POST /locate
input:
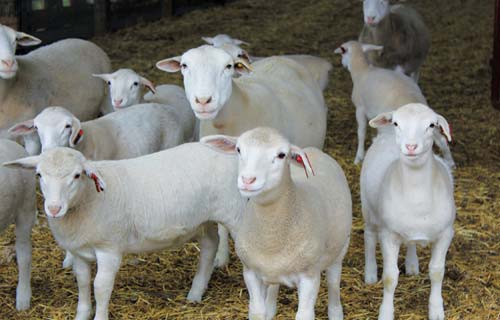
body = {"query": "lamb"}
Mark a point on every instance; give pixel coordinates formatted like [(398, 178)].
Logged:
[(293, 227), (376, 90), (125, 87), (57, 74), (407, 198), (401, 31), (17, 191), (227, 105), (100, 210)]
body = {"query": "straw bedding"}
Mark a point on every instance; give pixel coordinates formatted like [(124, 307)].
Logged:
[(455, 79)]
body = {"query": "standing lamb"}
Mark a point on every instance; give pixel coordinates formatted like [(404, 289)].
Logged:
[(401, 31), (376, 90), (407, 198), (17, 191), (57, 74), (125, 88), (295, 225), (101, 210), (279, 93)]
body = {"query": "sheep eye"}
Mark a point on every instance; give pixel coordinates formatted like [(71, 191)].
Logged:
[(136, 83), (432, 125), (109, 83), (395, 124), (281, 155), (238, 150), (77, 176), (184, 66), (38, 175), (68, 126), (229, 66), (343, 50)]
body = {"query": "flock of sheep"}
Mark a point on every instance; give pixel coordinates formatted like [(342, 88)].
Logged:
[(136, 180)]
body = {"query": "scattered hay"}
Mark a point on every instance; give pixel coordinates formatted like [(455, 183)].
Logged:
[(456, 81)]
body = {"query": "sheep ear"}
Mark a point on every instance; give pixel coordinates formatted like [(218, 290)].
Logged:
[(76, 135), (92, 173), (245, 56), (23, 128), (242, 66), (170, 64), (222, 143), (239, 42), (24, 163), (208, 40), (369, 47), (103, 76), (26, 40), (299, 157), (445, 127), (381, 120), (148, 84)]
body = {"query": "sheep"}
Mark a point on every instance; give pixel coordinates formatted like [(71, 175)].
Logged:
[(376, 90), (401, 31), (17, 191), (295, 225), (100, 210), (125, 87), (227, 105), (221, 39), (407, 198), (57, 74)]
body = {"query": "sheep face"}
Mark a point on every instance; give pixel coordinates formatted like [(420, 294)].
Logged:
[(125, 87), (375, 10), (57, 127), (9, 39), (62, 173), (208, 74), (353, 48), (414, 125)]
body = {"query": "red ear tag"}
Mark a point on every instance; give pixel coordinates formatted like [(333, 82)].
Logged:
[(78, 137), (299, 159), (96, 181)]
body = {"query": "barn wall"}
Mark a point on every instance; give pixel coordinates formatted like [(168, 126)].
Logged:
[(8, 15)]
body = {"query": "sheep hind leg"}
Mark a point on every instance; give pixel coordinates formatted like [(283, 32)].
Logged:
[(333, 274), (222, 257), (411, 260), (24, 224), (362, 120)]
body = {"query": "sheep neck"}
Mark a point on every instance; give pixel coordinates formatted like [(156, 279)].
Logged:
[(5, 86), (228, 115), (359, 63), (418, 176)]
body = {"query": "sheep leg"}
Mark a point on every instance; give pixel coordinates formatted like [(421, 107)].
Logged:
[(24, 224), (222, 257), (108, 264), (308, 293), (333, 274), (390, 249), (436, 274), (361, 119), (411, 260), (68, 260), (370, 252), (271, 300), (81, 269), (257, 293), (442, 144), (208, 240)]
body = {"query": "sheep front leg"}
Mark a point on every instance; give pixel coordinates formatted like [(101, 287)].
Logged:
[(222, 257), (271, 300), (108, 264), (436, 274), (370, 236), (208, 240), (361, 119), (390, 249), (81, 269), (308, 292), (24, 224), (257, 294)]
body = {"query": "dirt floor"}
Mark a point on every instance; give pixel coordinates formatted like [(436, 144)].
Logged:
[(455, 79)]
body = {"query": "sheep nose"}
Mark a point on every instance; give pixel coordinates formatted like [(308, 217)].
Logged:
[(117, 102), (248, 180), (370, 19), (54, 210), (8, 63), (411, 147), (203, 101)]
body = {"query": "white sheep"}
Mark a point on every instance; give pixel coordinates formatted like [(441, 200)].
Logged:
[(222, 39), (100, 210), (296, 224), (407, 198), (278, 93), (126, 89), (57, 74), (401, 31), (17, 194), (376, 90)]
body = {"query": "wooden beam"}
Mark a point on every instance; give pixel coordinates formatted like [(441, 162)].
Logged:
[(495, 62)]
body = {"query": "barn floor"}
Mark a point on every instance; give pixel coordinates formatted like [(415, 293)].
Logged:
[(455, 80)]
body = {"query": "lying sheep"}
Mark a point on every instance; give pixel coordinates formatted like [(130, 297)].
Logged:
[(376, 90), (402, 33), (100, 210), (57, 74), (294, 227), (17, 191), (407, 198), (125, 88), (279, 93)]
